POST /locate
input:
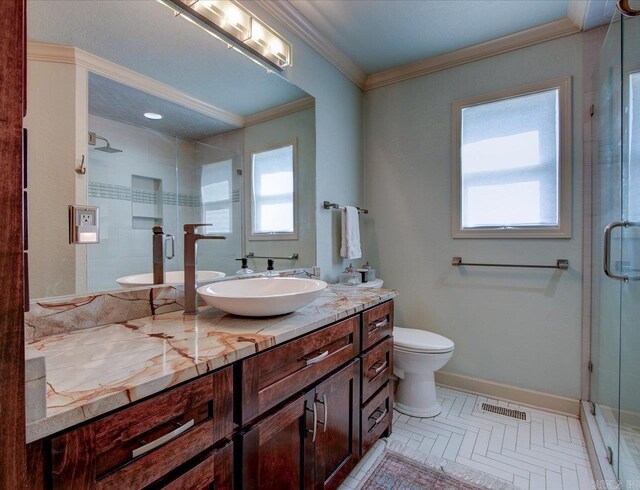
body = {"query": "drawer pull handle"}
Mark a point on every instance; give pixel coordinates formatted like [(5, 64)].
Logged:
[(379, 419), (163, 439), (380, 323), (379, 366), (316, 359), (325, 404)]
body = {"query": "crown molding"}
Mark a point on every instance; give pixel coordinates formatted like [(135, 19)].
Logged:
[(284, 11), (529, 37), (577, 12), (279, 111), (58, 53)]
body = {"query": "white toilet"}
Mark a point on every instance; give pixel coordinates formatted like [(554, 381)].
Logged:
[(418, 354)]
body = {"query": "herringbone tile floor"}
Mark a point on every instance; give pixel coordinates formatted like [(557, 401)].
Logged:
[(545, 452)]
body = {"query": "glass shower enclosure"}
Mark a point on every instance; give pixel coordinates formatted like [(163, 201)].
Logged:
[(615, 315)]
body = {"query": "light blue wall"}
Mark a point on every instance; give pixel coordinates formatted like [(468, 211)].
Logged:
[(339, 133), (515, 326), (301, 127)]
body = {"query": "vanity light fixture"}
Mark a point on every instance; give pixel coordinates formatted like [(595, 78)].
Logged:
[(238, 28), (152, 115)]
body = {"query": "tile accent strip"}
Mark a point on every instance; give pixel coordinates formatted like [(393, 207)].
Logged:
[(124, 193)]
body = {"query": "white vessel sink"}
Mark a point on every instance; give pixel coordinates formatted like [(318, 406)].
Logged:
[(175, 278), (263, 296)]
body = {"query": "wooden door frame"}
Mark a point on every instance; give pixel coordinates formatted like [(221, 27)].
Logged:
[(12, 105)]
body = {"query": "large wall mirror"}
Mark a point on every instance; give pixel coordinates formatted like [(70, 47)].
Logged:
[(158, 124)]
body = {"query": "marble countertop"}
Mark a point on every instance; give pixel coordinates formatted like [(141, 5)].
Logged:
[(92, 371)]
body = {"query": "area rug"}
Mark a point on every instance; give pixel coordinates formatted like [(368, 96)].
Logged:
[(402, 468)]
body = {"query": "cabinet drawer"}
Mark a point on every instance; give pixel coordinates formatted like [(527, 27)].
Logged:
[(377, 323), (377, 367), (273, 376), (376, 416), (209, 470), (136, 446)]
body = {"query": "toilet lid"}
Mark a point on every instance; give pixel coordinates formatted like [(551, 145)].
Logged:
[(415, 340)]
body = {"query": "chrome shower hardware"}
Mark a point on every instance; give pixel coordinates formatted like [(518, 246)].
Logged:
[(107, 149)]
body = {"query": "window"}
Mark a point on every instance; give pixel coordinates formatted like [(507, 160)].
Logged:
[(216, 196), (512, 163), (273, 193)]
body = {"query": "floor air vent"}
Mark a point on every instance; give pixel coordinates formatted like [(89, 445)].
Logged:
[(507, 412)]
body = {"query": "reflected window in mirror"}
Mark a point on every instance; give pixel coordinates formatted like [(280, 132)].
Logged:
[(273, 192), (216, 194)]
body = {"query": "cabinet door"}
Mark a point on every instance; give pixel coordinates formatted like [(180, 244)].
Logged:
[(337, 402), (275, 453)]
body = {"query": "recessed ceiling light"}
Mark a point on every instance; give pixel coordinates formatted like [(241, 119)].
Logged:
[(152, 115)]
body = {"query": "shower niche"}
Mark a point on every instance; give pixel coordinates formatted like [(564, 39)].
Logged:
[(146, 202)]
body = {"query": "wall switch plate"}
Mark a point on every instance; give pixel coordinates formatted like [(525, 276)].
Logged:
[(84, 224)]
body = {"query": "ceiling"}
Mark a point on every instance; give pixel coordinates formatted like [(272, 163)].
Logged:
[(113, 100), (144, 36), (378, 35)]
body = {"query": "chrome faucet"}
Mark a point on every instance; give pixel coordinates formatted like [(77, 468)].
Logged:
[(191, 239)]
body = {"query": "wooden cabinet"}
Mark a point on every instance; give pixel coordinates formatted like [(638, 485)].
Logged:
[(304, 411), (311, 442), (337, 446), (376, 416), (275, 452), (141, 444), (377, 324), (273, 376), (377, 368), (212, 469), (376, 413)]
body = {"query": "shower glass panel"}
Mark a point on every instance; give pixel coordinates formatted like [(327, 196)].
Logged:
[(606, 293), (615, 383), (629, 429)]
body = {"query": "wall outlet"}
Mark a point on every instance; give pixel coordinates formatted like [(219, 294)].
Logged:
[(84, 224), (87, 218)]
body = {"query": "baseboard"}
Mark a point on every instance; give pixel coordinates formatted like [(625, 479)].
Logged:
[(522, 396)]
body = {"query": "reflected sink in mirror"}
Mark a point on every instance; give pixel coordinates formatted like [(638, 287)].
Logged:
[(214, 112), (173, 278), (263, 296)]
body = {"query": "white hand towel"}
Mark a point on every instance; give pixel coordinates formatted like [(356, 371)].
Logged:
[(350, 234)]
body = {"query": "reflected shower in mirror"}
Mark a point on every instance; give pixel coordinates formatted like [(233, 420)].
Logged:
[(165, 138)]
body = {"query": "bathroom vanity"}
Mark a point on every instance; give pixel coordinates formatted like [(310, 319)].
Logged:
[(227, 402)]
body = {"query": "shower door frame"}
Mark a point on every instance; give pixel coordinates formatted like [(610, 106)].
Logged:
[(605, 461)]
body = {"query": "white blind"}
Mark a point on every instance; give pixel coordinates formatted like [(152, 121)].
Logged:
[(216, 191), (510, 162), (272, 191)]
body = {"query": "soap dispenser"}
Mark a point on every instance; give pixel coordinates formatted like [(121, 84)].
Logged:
[(371, 272), (245, 269), (350, 276), (270, 272)]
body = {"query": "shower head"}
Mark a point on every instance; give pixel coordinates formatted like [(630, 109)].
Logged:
[(107, 149)]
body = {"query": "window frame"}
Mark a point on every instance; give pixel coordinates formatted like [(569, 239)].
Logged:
[(252, 236), (563, 229)]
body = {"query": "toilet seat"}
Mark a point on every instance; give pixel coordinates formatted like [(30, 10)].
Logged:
[(421, 341)]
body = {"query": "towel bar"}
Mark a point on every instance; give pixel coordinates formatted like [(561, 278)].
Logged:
[(562, 264), (333, 205)]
